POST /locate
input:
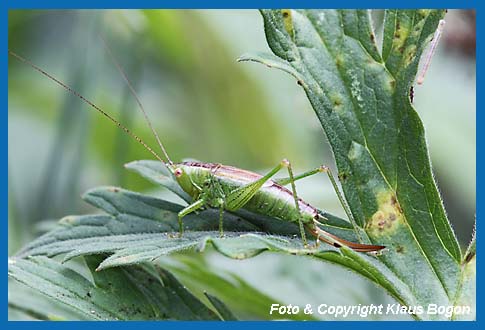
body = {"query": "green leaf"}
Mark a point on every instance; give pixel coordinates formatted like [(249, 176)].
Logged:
[(466, 296), (129, 236), (27, 303), (221, 308), (128, 293), (238, 294), (141, 228), (158, 173), (362, 101)]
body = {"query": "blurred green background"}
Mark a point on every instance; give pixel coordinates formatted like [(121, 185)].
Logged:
[(205, 106)]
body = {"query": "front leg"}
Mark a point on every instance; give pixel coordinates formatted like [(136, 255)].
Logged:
[(189, 209), (221, 217)]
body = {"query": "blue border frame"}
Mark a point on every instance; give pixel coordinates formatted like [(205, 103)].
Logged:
[(209, 4), (249, 4)]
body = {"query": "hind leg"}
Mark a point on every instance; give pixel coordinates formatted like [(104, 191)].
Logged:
[(326, 169), (237, 198)]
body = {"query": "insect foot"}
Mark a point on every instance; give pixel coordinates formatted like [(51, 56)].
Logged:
[(313, 246)]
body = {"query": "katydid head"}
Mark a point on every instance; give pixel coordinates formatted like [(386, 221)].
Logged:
[(183, 179)]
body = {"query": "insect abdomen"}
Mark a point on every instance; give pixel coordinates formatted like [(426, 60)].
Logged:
[(278, 202)]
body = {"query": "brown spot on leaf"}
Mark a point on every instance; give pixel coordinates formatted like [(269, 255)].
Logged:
[(388, 216), (339, 60), (469, 257)]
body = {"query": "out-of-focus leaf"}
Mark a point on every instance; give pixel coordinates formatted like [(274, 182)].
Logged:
[(19, 314), (221, 308), (27, 303), (239, 295), (128, 293)]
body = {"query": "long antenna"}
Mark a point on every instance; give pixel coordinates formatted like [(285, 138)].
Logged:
[(434, 44), (132, 90), (72, 91)]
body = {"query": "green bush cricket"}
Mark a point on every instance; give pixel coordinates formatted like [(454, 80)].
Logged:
[(229, 188)]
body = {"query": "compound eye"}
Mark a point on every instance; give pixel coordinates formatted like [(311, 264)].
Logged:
[(178, 172)]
